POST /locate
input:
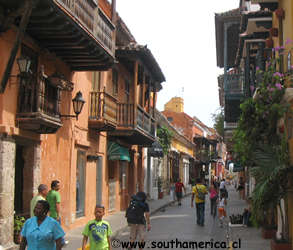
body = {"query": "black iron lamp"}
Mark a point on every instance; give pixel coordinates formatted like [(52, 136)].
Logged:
[(24, 64), (78, 103)]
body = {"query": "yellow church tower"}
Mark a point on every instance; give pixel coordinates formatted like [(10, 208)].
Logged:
[(176, 104)]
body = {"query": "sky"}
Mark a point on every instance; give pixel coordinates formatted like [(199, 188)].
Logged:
[(181, 37)]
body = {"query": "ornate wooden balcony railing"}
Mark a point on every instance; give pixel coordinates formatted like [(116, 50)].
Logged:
[(103, 111), (93, 18), (125, 115), (145, 121), (135, 125), (234, 85), (38, 107)]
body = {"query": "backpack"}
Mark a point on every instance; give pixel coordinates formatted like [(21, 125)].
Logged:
[(135, 212), (200, 195)]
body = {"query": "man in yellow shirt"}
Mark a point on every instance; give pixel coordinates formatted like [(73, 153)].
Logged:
[(199, 191), (42, 193)]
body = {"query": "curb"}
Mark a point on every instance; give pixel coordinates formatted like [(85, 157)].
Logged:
[(118, 231)]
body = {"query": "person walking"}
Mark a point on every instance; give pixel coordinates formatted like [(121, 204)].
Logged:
[(98, 230), (172, 192), (178, 190), (241, 188), (222, 187), (41, 231), (213, 199), (42, 193), (221, 208), (54, 199), (138, 217), (199, 191)]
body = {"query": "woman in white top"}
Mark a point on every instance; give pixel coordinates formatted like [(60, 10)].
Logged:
[(221, 208)]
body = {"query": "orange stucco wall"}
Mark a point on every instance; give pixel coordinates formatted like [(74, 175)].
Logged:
[(58, 158), (59, 150)]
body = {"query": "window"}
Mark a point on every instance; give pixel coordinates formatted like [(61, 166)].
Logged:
[(115, 81), (147, 91), (80, 183), (111, 169), (37, 94), (27, 89), (170, 119), (127, 90), (140, 75), (96, 82)]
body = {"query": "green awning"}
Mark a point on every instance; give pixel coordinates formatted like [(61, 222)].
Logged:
[(117, 152)]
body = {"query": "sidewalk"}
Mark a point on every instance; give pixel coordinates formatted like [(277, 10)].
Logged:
[(250, 237), (117, 221)]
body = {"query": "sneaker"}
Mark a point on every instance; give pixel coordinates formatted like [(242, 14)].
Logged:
[(66, 242)]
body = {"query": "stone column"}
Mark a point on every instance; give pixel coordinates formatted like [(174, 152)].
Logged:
[(7, 175), (37, 167)]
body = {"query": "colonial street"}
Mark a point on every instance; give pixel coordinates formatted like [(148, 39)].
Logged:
[(174, 227)]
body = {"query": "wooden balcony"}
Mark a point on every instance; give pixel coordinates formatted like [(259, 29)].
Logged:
[(103, 111), (38, 107), (134, 125), (232, 110), (234, 86), (77, 31)]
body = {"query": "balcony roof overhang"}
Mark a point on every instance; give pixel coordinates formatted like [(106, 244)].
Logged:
[(254, 26), (253, 46), (269, 4), (257, 25), (136, 52), (60, 32), (232, 16), (133, 137)]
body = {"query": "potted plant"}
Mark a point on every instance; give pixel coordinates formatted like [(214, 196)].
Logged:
[(18, 224), (160, 188)]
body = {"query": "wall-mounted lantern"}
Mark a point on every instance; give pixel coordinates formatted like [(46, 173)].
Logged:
[(78, 103)]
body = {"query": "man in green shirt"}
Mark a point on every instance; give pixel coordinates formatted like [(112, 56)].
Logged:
[(54, 199), (98, 230), (42, 193)]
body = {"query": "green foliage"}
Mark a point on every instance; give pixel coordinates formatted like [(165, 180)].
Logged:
[(260, 115), (18, 223), (258, 144), (271, 174), (218, 119), (165, 138)]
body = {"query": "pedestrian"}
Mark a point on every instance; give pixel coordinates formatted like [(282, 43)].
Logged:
[(41, 231), (178, 190), (138, 217), (199, 191), (172, 192), (42, 193), (98, 230), (222, 186), (213, 199), (54, 199), (240, 188), (221, 208)]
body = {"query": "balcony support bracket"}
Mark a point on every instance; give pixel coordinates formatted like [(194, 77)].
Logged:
[(26, 10)]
